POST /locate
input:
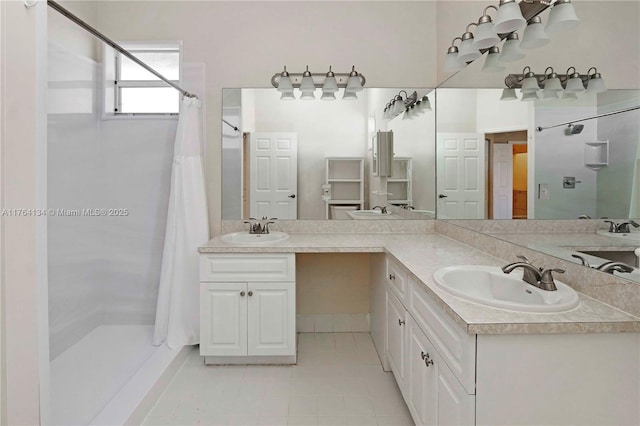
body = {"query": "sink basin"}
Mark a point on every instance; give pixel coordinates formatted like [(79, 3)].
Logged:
[(247, 239), (371, 214), (489, 286)]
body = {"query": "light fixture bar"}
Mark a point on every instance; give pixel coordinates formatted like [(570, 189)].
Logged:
[(318, 79), (514, 81)]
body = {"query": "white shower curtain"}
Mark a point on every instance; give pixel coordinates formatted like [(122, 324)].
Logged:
[(177, 313)]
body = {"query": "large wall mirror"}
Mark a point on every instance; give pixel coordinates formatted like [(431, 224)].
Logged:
[(516, 172), (316, 160)]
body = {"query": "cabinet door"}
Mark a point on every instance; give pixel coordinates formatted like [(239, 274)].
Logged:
[(396, 326), (272, 325), (455, 406), (421, 377), (223, 319)]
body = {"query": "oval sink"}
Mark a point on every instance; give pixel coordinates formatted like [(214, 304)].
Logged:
[(245, 238), (488, 285), (371, 214)]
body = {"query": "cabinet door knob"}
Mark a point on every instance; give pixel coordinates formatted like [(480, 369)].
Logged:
[(392, 277), (250, 293), (427, 360), (242, 294), (401, 322)]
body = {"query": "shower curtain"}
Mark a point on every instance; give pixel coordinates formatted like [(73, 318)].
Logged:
[(177, 312)]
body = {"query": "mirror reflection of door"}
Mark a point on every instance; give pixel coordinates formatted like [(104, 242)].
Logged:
[(272, 175), (461, 176), (507, 175)]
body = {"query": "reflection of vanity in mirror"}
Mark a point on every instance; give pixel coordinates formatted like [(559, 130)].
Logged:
[(562, 173), (320, 160)]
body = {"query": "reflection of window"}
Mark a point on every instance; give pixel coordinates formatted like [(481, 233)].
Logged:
[(137, 91)]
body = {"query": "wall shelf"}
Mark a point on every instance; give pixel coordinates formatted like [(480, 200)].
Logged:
[(345, 176), (596, 154)]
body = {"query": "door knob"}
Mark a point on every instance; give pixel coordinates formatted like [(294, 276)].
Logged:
[(292, 196), (442, 196)]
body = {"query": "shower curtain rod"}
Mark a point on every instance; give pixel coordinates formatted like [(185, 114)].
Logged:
[(55, 6), (540, 128), (230, 125)]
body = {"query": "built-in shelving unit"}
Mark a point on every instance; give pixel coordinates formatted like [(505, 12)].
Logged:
[(399, 184), (345, 176)]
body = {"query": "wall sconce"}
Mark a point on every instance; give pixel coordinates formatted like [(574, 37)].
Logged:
[(411, 105), (554, 86), (510, 16), (330, 83)]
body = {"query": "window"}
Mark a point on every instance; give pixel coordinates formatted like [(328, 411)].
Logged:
[(137, 91)]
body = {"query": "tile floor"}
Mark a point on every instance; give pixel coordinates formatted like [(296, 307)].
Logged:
[(338, 381)]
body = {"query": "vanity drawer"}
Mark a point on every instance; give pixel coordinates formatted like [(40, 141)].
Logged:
[(457, 348), (397, 279), (235, 267)]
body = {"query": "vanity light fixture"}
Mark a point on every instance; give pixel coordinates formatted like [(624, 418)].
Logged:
[(511, 51), (486, 35), (411, 105), (595, 84), (468, 51), (451, 62), (562, 17), (508, 93), (492, 62), (534, 35), (510, 17), (554, 86), (307, 83)]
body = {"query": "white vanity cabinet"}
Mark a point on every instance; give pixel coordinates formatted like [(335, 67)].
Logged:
[(247, 308), (449, 377)]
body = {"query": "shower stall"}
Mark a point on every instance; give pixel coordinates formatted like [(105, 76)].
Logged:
[(108, 183)]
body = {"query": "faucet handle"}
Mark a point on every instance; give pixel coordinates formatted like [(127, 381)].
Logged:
[(546, 280), (524, 259), (612, 225), (265, 228), (583, 261)]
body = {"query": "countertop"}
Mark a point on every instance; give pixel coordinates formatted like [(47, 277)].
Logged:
[(424, 253)]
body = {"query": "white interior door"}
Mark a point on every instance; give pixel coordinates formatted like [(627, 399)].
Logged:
[(461, 171), (273, 175), (502, 165)]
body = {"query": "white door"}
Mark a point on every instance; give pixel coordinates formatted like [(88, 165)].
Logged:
[(273, 175), (223, 319), (396, 320), (502, 165), (461, 172), (272, 325)]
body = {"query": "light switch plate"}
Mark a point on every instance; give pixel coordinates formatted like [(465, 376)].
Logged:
[(543, 191)]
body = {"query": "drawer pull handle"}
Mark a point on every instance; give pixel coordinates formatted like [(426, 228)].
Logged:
[(250, 293), (242, 294), (401, 322), (427, 359), (392, 277), (423, 355)]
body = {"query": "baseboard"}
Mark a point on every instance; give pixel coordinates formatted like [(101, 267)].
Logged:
[(242, 360)]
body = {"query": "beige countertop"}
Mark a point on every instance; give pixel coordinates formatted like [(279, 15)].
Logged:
[(424, 253)]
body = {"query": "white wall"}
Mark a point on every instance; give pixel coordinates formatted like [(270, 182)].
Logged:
[(615, 182), (558, 155), (245, 43), (23, 132), (457, 110), (494, 115)]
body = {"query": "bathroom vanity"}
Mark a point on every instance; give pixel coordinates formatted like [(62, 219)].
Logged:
[(455, 362)]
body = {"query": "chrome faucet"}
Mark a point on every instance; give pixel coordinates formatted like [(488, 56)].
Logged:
[(538, 277), (608, 267), (383, 210), (621, 228), (611, 267), (258, 226)]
